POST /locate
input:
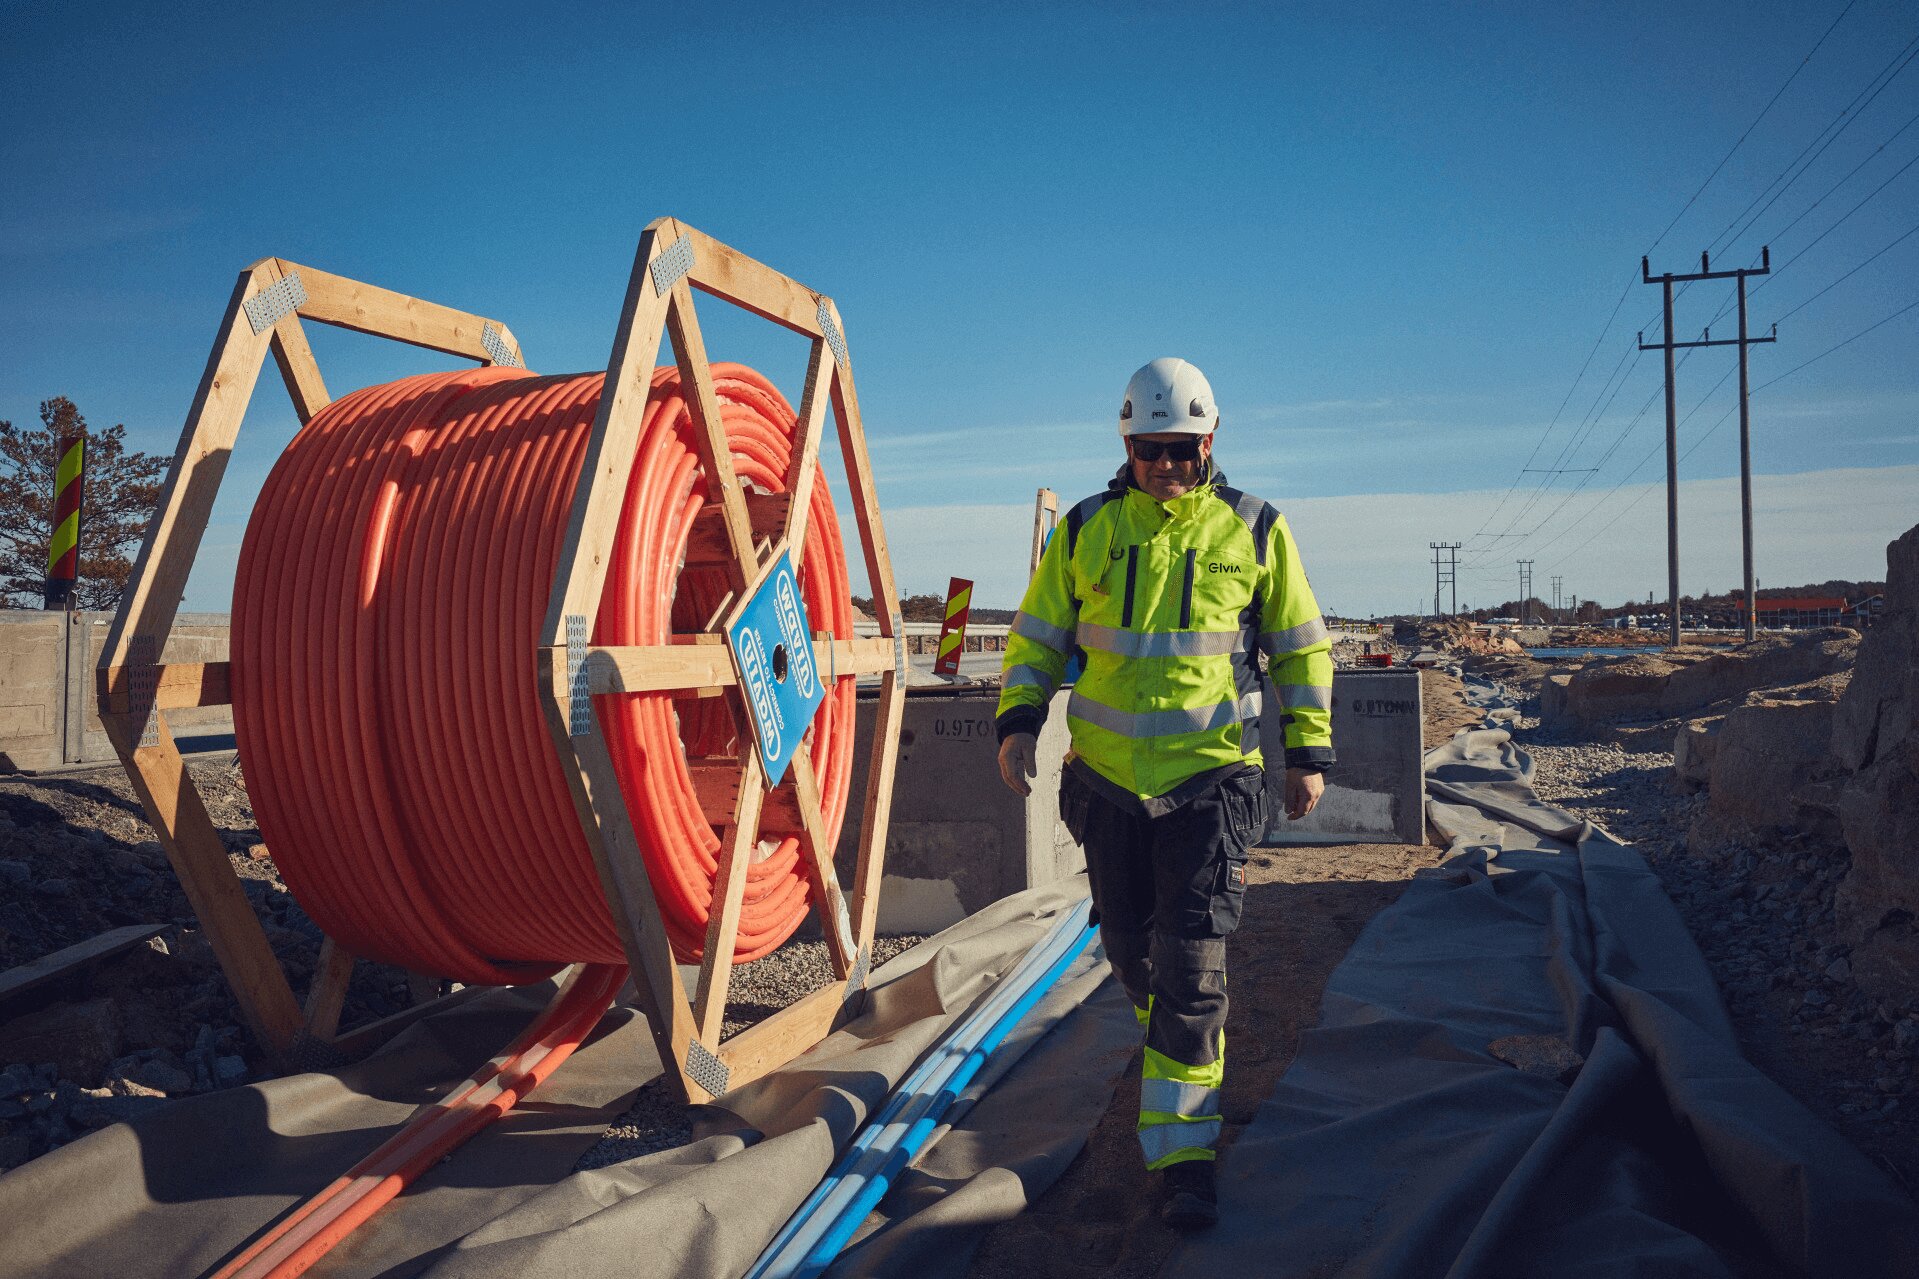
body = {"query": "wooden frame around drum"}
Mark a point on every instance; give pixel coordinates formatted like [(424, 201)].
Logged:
[(741, 533)]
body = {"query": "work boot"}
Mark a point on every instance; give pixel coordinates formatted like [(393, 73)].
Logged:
[(1191, 1201)]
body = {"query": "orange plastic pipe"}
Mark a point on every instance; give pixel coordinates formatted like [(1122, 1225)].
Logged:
[(311, 1230), (392, 584)]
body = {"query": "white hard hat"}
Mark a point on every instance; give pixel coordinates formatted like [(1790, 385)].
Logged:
[(1168, 395)]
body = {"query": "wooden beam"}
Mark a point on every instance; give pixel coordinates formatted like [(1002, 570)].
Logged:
[(727, 273), (326, 996), (361, 1040), (199, 858), (68, 960), (152, 596), (706, 541), (783, 1036), (666, 668), (805, 463), (729, 888), (877, 810), (716, 781), (366, 308), (298, 369), (587, 546), (709, 432), (176, 684), (587, 765), (836, 923)]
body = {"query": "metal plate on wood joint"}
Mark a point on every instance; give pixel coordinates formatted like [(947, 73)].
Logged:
[(143, 685), (579, 711), (856, 979), (834, 341), (496, 348), (706, 1070), (899, 650), (671, 265), (275, 302)]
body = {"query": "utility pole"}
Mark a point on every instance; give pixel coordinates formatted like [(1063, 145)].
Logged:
[(1525, 588), (1557, 610), (1446, 573), (1743, 341)]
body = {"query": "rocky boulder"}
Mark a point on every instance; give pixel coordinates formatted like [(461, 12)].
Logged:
[(79, 1038), (1759, 756), (1628, 686), (1693, 750), (1772, 662), (1875, 736)]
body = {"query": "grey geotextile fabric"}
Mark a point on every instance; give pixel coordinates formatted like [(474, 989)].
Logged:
[(1523, 1068), (177, 1192)]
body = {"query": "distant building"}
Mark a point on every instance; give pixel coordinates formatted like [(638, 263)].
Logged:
[(1803, 612), (1865, 612)]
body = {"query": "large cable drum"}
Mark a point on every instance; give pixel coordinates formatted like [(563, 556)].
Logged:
[(391, 590)]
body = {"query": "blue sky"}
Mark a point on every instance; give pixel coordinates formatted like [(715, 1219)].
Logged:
[(1390, 235)]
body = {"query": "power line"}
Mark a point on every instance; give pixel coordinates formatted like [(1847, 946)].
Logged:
[(1848, 275), (1707, 433), (1749, 128), (1836, 346), (1627, 290), (1721, 313), (1847, 117)]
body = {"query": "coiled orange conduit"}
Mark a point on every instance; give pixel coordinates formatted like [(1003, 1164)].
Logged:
[(391, 588)]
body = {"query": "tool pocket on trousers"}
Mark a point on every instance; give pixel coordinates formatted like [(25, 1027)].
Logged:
[(1245, 802), (1229, 892)]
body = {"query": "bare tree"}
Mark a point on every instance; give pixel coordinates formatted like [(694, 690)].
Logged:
[(122, 490)]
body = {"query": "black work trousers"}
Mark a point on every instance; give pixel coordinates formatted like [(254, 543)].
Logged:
[(1167, 892)]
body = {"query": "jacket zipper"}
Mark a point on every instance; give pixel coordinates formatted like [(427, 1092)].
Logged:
[(1186, 595), (1132, 579)]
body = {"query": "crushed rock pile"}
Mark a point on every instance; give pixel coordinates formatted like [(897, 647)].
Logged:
[(77, 858)]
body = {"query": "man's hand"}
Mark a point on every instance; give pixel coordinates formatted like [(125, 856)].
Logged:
[(1019, 760), (1303, 789)]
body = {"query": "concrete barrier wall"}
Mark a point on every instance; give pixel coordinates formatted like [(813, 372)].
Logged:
[(959, 840), (32, 689), (49, 710), (1377, 791)]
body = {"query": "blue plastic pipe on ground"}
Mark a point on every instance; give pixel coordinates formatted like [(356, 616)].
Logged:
[(815, 1233)]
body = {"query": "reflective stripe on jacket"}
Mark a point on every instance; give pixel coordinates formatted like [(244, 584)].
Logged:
[(1173, 604)]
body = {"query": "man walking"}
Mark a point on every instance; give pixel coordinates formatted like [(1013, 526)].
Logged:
[(1174, 585)]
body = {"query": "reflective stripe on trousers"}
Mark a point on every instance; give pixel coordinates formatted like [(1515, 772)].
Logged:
[(1169, 1096), (1162, 1142)]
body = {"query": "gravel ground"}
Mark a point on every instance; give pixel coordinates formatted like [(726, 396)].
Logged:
[(77, 858), (1763, 917)]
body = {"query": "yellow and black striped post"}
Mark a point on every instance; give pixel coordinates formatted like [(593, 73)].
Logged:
[(959, 594), (63, 552)]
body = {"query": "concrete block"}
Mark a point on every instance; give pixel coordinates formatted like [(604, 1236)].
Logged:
[(49, 710), (32, 690), (1377, 791), (959, 840)]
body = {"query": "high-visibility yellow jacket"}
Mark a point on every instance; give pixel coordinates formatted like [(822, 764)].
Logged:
[(1173, 604)]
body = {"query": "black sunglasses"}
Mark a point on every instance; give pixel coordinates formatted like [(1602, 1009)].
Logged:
[(1186, 450)]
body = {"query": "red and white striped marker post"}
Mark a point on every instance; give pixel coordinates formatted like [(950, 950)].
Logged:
[(959, 594), (63, 548)]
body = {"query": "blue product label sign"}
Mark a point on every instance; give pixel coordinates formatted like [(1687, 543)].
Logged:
[(775, 659)]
